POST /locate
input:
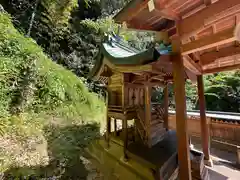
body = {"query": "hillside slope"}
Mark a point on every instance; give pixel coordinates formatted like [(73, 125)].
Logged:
[(47, 115)]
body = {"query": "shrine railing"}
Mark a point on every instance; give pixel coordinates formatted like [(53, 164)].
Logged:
[(140, 123)]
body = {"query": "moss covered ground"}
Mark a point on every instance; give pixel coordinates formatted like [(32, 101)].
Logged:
[(47, 115)]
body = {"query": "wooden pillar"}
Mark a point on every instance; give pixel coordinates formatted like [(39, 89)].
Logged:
[(205, 134), (108, 120), (125, 131), (238, 155), (181, 118), (148, 111), (135, 130), (166, 103), (115, 126), (108, 131)]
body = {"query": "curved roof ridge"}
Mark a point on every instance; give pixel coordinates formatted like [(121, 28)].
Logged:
[(117, 41)]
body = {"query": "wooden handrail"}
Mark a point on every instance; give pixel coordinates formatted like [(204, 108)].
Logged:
[(139, 111)]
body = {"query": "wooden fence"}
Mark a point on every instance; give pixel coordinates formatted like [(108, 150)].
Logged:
[(224, 130)]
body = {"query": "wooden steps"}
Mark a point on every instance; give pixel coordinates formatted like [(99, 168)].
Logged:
[(155, 131)]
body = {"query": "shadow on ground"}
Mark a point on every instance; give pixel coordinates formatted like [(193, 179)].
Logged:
[(216, 176), (65, 147)]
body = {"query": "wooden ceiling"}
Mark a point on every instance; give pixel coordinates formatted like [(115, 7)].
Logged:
[(206, 28)]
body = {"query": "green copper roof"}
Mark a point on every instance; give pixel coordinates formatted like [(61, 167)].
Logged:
[(119, 53)]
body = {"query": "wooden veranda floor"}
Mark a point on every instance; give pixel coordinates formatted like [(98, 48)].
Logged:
[(159, 153), (224, 162)]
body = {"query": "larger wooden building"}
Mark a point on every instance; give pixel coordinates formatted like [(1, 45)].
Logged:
[(198, 36)]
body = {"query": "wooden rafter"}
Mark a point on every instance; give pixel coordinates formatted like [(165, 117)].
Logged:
[(191, 65), (210, 57), (192, 76), (165, 12), (138, 79), (196, 55), (157, 77), (190, 13), (207, 16), (220, 69), (207, 2), (237, 21), (139, 25), (156, 83), (214, 29), (207, 42), (134, 12), (159, 8)]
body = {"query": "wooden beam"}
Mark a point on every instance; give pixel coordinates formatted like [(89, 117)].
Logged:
[(207, 16), (207, 2), (192, 76), (131, 10), (210, 57), (165, 12), (194, 11), (191, 65), (158, 83), (207, 42), (205, 132), (131, 85), (181, 118), (145, 28), (137, 78), (132, 69), (221, 69), (237, 21), (158, 77), (196, 55), (138, 26)]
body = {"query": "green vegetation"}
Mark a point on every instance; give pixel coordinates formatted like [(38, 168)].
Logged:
[(222, 92), (47, 113)]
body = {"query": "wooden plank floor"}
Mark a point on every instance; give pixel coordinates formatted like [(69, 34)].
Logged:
[(159, 153)]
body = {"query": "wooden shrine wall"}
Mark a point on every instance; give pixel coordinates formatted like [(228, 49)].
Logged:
[(133, 95), (124, 93), (116, 89)]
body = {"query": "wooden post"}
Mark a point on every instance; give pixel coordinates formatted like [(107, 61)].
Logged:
[(181, 118), (135, 131), (108, 131), (238, 156), (115, 127), (166, 106), (108, 120), (205, 134), (148, 112), (125, 130)]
